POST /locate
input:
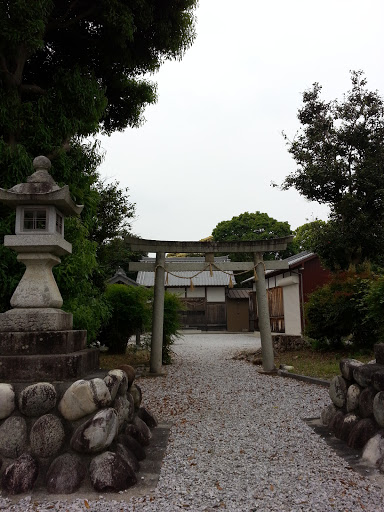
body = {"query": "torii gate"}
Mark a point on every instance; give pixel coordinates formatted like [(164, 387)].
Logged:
[(257, 247)]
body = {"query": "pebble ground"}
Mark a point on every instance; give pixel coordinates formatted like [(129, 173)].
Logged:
[(238, 441)]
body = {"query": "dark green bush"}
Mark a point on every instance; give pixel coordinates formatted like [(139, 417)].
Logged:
[(130, 310), (373, 304), (338, 312), (172, 308), (90, 313)]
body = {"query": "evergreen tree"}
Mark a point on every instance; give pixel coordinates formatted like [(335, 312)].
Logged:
[(339, 152), (251, 226)]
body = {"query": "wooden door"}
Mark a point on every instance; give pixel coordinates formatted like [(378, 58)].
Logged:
[(276, 310), (237, 315)]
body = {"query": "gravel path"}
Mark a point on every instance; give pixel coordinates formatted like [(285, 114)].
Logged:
[(238, 442)]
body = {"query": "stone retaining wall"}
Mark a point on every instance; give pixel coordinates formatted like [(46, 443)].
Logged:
[(287, 342), (356, 414), (62, 436)]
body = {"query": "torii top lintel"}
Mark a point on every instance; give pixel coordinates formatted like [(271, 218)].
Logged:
[(255, 246)]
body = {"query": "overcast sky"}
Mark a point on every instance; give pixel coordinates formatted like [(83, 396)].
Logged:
[(212, 144)]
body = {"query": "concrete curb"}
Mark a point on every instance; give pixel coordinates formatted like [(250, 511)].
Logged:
[(304, 378)]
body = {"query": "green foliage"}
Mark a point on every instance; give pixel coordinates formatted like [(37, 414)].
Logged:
[(130, 310), (74, 67), (68, 71), (373, 304), (338, 312), (306, 236), (172, 308), (90, 312), (339, 152), (113, 214), (109, 227), (251, 226), (114, 254)]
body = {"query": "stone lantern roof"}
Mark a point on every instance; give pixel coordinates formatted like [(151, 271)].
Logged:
[(41, 189)]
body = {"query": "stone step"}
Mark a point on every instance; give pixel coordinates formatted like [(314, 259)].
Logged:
[(50, 342), (52, 367)]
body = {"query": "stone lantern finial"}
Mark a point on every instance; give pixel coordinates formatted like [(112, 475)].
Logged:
[(41, 164)]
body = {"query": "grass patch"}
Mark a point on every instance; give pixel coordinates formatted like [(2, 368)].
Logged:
[(133, 356), (323, 365)]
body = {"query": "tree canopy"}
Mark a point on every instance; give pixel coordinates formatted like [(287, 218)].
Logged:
[(70, 69), (339, 152), (74, 67), (250, 226), (306, 236)]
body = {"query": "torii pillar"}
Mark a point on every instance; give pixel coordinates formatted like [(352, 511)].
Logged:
[(158, 315), (267, 354), (209, 248)]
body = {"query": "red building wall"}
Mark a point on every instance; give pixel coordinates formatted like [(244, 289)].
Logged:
[(313, 276)]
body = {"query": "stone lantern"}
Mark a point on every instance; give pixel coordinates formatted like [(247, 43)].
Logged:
[(41, 206), (36, 327), (60, 415)]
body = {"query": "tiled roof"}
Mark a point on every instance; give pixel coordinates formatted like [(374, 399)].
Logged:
[(297, 258), (292, 261), (239, 293), (183, 278), (121, 277)]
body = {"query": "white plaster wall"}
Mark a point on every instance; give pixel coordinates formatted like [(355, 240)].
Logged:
[(216, 294), (291, 301), (196, 292), (180, 292), (279, 280)]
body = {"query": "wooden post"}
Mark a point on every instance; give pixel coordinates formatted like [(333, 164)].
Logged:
[(264, 320), (158, 315)]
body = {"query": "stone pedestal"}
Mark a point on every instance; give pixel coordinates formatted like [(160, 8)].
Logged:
[(39, 344), (37, 288), (32, 320), (48, 367)]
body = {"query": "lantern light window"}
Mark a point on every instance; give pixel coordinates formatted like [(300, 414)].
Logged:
[(35, 220), (59, 223)]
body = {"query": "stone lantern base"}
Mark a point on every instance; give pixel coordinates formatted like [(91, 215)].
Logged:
[(35, 319), (39, 344), (30, 362)]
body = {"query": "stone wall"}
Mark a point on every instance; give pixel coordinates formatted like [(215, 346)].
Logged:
[(61, 436), (356, 414), (287, 342)]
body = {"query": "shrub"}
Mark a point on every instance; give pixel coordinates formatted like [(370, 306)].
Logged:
[(172, 308), (374, 306), (338, 312), (130, 310), (90, 313)]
